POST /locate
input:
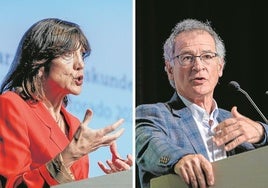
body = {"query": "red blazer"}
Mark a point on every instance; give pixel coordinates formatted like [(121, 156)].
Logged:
[(30, 137)]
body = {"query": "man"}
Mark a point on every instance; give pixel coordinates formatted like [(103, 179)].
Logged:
[(187, 133)]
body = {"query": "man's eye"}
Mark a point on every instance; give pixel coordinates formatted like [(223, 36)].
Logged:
[(207, 56), (186, 58)]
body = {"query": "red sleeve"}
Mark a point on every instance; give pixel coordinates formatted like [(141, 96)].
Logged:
[(15, 155)]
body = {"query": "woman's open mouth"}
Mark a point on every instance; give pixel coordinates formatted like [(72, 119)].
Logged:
[(79, 80)]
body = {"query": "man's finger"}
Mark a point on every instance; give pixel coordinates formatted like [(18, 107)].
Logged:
[(208, 170), (235, 113)]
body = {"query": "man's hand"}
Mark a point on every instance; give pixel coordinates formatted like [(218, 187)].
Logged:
[(195, 170), (236, 130)]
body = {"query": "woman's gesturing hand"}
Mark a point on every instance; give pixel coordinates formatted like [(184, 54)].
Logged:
[(87, 140), (117, 163)]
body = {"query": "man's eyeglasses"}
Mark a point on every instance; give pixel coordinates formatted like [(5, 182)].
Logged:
[(189, 59)]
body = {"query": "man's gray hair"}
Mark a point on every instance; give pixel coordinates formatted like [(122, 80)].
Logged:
[(190, 25)]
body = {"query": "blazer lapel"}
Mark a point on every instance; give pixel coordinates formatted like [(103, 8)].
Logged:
[(71, 120), (186, 121), (56, 135)]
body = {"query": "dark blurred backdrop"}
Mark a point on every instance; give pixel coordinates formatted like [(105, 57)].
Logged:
[(241, 24)]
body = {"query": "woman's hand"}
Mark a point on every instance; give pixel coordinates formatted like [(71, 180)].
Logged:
[(117, 163), (87, 140)]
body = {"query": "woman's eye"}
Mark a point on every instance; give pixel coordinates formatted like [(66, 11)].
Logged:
[(69, 54)]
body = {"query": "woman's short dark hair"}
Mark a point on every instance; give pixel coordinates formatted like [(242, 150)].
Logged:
[(45, 40)]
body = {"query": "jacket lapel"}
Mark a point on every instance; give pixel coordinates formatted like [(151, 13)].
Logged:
[(71, 120), (56, 135), (186, 121)]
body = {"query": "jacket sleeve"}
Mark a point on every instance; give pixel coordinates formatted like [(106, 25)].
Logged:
[(159, 141)]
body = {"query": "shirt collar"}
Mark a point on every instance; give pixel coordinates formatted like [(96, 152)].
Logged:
[(198, 112)]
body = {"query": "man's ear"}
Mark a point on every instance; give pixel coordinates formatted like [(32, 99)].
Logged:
[(169, 70), (220, 67)]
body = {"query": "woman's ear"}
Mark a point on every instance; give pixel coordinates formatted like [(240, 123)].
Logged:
[(41, 72)]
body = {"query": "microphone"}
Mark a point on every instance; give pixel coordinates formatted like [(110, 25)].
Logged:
[(238, 88)]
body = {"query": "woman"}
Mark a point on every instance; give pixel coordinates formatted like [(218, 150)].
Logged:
[(41, 144)]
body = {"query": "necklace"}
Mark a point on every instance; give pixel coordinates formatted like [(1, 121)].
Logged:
[(58, 119), (62, 125)]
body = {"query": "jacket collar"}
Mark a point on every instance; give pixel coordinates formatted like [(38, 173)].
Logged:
[(179, 110), (56, 135), (185, 119)]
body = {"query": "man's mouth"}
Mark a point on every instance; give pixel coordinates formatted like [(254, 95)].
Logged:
[(199, 78)]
